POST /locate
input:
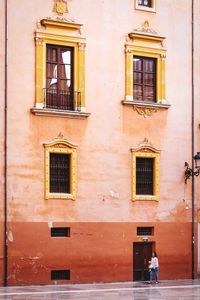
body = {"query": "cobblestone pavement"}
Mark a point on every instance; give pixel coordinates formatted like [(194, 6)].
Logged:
[(164, 290)]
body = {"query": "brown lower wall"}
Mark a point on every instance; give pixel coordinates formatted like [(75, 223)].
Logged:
[(94, 252)]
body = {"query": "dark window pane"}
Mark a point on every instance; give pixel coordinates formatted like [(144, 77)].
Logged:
[(137, 78), (138, 92), (52, 70), (51, 54), (144, 176), (149, 79), (65, 72), (145, 3), (64, 85), (148, 93), (148, 65), (137, 64), (59, 78), (144, 79), (59, 173), (51, 85)]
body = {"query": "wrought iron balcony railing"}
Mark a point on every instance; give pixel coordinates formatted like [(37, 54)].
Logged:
[(63, 100)]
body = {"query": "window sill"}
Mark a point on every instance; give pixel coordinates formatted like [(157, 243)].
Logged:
[(145, 108), (60, 196), (145, 198), (146, 104), (59, 113), (145, 8)]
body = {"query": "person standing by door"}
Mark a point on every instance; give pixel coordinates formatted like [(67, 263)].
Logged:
[(154, 267)]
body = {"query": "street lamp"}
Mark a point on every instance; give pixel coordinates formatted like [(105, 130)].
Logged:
[(189, 171)]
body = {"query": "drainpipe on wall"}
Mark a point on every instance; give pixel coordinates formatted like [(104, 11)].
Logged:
[(193, 187), (5, 151)]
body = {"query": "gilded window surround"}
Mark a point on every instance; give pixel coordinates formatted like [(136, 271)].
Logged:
[(60, 33), (146, 150), (146, 8), (145, 42), (65, 147)]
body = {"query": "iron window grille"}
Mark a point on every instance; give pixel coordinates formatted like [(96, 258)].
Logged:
[(144, 176), (59, 173), (144, 78)]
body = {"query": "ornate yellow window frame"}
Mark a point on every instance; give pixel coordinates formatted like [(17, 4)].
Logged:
[(145, 8), (60, 146), (145, 42), (59, 33), (148, 151)]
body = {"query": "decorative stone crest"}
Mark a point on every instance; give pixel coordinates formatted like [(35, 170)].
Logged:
[(144, 111), (145, 146), (145, 142), (60, 135), (146, 28), (60, 7)]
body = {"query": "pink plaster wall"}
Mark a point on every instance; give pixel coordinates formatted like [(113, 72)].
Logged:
[(105, 138)]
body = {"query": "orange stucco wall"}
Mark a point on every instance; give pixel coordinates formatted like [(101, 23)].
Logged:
[(94, 251), (103, 218)]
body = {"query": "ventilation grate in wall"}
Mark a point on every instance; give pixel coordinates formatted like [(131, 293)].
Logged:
[(60, 231), (60, 275), (145, 230)]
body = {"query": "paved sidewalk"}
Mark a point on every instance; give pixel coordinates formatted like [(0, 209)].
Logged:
[(164, 290)]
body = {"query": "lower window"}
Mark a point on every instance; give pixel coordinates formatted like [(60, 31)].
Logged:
[(60, 170), (144, 176), (59, 173), (145, 170)]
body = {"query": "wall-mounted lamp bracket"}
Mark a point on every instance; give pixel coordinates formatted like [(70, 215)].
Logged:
[(189, 172)]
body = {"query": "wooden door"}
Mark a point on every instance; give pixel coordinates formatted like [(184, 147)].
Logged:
[(141, 256)]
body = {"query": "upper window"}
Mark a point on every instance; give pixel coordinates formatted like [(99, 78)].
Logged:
[(145, 160), (60, 67), (148, 5), (59, 78), (144, 78), (60, 170), (145, 67), (144, 2)]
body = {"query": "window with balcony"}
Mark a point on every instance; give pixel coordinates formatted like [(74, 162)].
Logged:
[(60, 69), (59, 92), (60, 170), (145, 171)]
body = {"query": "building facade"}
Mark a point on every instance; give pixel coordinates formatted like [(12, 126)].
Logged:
[(99, 113)]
